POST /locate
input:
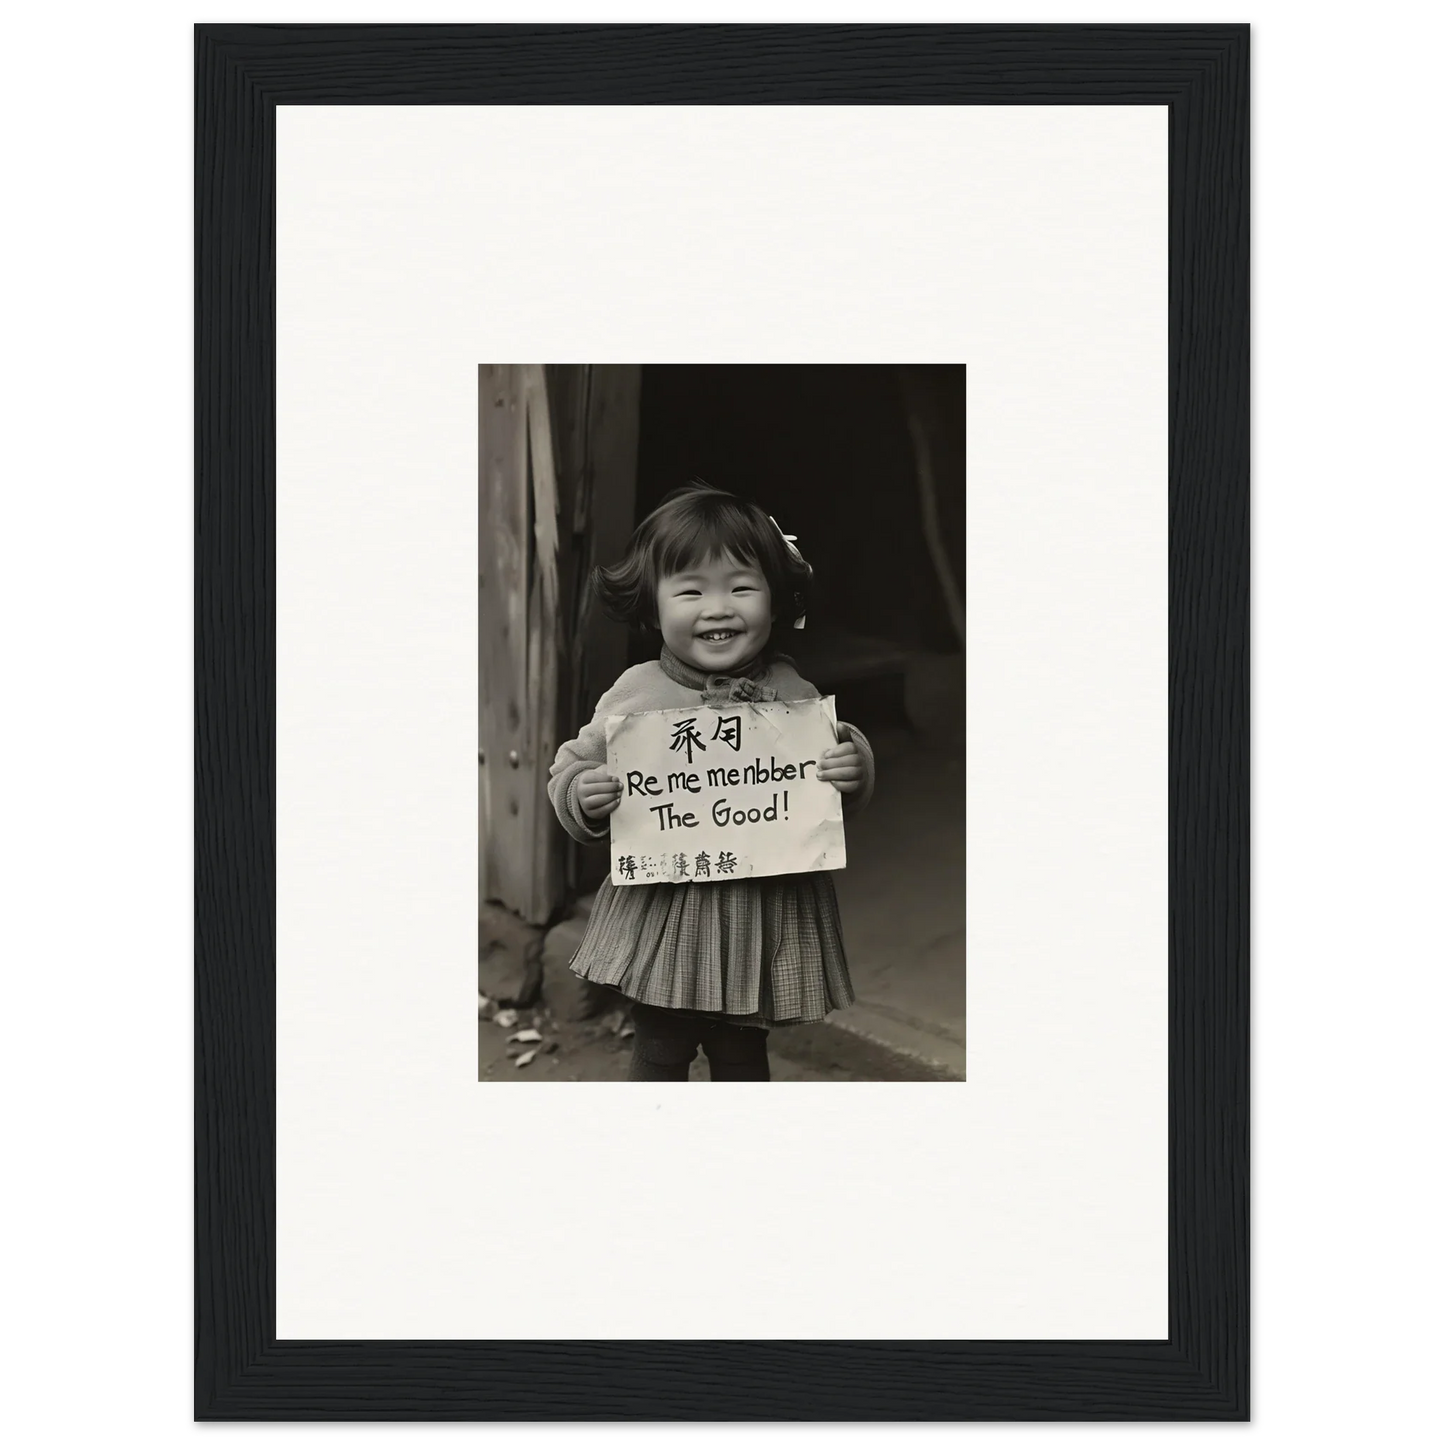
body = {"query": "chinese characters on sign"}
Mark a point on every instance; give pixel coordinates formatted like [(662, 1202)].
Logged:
[(730, 792)]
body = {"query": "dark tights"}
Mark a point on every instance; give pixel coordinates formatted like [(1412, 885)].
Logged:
[(666, 1042)]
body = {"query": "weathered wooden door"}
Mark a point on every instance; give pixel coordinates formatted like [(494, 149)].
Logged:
[(558, 462)]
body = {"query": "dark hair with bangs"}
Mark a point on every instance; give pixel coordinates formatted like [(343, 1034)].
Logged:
[(692, 524)]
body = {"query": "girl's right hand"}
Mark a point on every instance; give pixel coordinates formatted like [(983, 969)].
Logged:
[(598, 792)]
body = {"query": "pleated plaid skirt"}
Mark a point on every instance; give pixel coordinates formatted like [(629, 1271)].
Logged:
[(754, 950)]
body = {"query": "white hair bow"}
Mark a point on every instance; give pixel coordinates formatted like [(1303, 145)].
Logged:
[(790, 539)]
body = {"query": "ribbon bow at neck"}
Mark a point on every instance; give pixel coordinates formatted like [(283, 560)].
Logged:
[(736, 689)]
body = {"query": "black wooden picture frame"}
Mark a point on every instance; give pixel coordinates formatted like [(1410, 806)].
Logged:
[(243, 1372)]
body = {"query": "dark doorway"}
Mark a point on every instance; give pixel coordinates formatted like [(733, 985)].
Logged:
[(827, 450)]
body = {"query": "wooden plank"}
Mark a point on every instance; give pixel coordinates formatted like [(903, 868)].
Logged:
[(604, 519), (546, 649), (503, 585), (603, 515), (559, 460), (567, 392)]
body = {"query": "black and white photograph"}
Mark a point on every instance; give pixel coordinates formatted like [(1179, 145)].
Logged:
[(721, 723), (753, 517)]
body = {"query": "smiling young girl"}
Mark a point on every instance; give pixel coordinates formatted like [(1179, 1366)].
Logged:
[(711, 964)]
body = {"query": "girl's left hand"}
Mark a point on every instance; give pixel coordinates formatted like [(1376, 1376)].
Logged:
[(842, 766)]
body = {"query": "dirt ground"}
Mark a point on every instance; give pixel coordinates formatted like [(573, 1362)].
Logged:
[(598, 1051)]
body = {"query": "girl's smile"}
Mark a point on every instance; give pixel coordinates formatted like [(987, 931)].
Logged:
[(716, 615)]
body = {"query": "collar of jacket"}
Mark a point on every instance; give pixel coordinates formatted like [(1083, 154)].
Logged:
[(748, 684)]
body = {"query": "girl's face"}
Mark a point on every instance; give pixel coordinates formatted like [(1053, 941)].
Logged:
[(716, 615)]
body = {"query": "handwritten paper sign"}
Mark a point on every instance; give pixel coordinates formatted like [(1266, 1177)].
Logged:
[(726, 792)]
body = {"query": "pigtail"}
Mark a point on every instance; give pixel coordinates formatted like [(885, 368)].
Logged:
[(800, 599), (624, 591)]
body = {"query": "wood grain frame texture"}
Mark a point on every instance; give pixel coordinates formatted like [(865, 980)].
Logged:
[(242, 1372)]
